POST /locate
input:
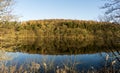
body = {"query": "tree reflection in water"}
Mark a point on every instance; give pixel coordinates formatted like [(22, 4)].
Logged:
[(63, 46)]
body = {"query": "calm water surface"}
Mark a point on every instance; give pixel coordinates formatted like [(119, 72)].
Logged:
[(53, 54)]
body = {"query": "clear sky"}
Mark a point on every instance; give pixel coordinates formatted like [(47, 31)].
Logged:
[(58, 9)]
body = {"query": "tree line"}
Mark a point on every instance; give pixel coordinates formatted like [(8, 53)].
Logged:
[(63, 28)]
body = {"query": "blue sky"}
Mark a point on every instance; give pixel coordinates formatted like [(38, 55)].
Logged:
[(58, 9)]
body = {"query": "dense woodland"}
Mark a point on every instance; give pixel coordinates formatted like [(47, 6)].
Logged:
[(61, 28)]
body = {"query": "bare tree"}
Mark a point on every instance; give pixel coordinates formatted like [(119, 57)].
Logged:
[(112, 8), (104, 18), (6, 10)]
